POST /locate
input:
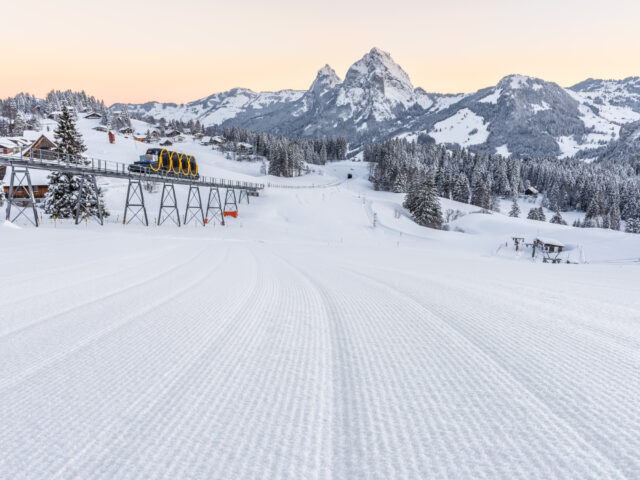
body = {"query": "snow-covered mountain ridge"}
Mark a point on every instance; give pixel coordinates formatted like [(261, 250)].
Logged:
[(521, 116)]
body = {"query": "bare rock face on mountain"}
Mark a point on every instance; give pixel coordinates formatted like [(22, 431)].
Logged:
[(370, 104), (520, 116)]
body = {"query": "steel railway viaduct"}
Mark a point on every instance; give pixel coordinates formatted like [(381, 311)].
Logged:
[(21, 201)]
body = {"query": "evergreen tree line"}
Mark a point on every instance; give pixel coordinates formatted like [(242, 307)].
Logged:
[(163, 126), (606, 193), (316, 151), (24, 111)]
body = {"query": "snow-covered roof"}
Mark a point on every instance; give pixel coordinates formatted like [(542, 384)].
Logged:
[(7, 143), (550, 241)]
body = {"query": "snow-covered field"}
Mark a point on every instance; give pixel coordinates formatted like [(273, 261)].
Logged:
[(300, 341)]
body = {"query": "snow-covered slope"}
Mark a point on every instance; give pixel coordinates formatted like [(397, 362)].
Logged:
[(300, 341)]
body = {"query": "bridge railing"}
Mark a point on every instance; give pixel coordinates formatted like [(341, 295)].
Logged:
[(49, 159)]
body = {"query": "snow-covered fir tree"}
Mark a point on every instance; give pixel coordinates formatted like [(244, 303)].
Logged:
[(614, 217), (633, 225), (61, 199), (423, 203), (557, 217), (515, 209), (461, 191), (67, 138), (481, 196), (537, 214)]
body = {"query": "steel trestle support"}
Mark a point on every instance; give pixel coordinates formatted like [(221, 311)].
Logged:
[(243, 194), (21, 181), (214, 205), (230, 200), (194, 206), (135, 203), (92, 184), (169, 203)]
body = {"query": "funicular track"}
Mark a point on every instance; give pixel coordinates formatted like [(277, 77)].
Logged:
[(21, 199)]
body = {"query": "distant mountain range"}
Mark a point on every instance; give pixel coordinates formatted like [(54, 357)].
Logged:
[(520, 116)]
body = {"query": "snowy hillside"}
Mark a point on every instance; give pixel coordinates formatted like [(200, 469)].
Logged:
[(215, 109), (321, 334)]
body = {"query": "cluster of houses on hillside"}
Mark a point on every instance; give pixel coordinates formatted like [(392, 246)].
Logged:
[(10, 145)]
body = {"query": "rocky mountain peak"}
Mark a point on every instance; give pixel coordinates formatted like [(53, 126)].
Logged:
[(325, 79)]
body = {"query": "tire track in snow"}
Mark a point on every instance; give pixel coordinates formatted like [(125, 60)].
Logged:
[(116, 290), (496, 376), (44, 359), (550, 341), (44, 289), (59, 382), (490, 347)]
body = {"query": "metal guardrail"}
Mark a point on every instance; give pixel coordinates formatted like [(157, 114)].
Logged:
[(313, 185), (79, 165)]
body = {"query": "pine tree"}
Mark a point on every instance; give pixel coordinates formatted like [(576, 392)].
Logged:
[(633, 225), (461, 189), (515, 209), (61, 199), (424, 204), (19, 125), (67, 138), (64, 189), (480, 196), (614, 217), (536, 214), (557, 217), (541, 215)]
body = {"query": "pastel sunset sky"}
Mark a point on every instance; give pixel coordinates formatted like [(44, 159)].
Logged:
[(178, 51)]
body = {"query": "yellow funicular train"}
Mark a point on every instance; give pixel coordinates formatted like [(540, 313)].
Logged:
[(162, 161)]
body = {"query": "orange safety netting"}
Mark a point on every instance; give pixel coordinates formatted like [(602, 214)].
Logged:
[(231, 214)]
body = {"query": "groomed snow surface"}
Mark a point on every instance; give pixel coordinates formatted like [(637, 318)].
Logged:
[(301, 342)]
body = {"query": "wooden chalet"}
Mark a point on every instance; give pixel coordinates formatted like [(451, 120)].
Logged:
[(549, 244), (173, 133), (126, 130), (243, 147), (139, 138), (38, 191), (166, 143), (93, 116), (531, 191), (43, 143), (549, 248)]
